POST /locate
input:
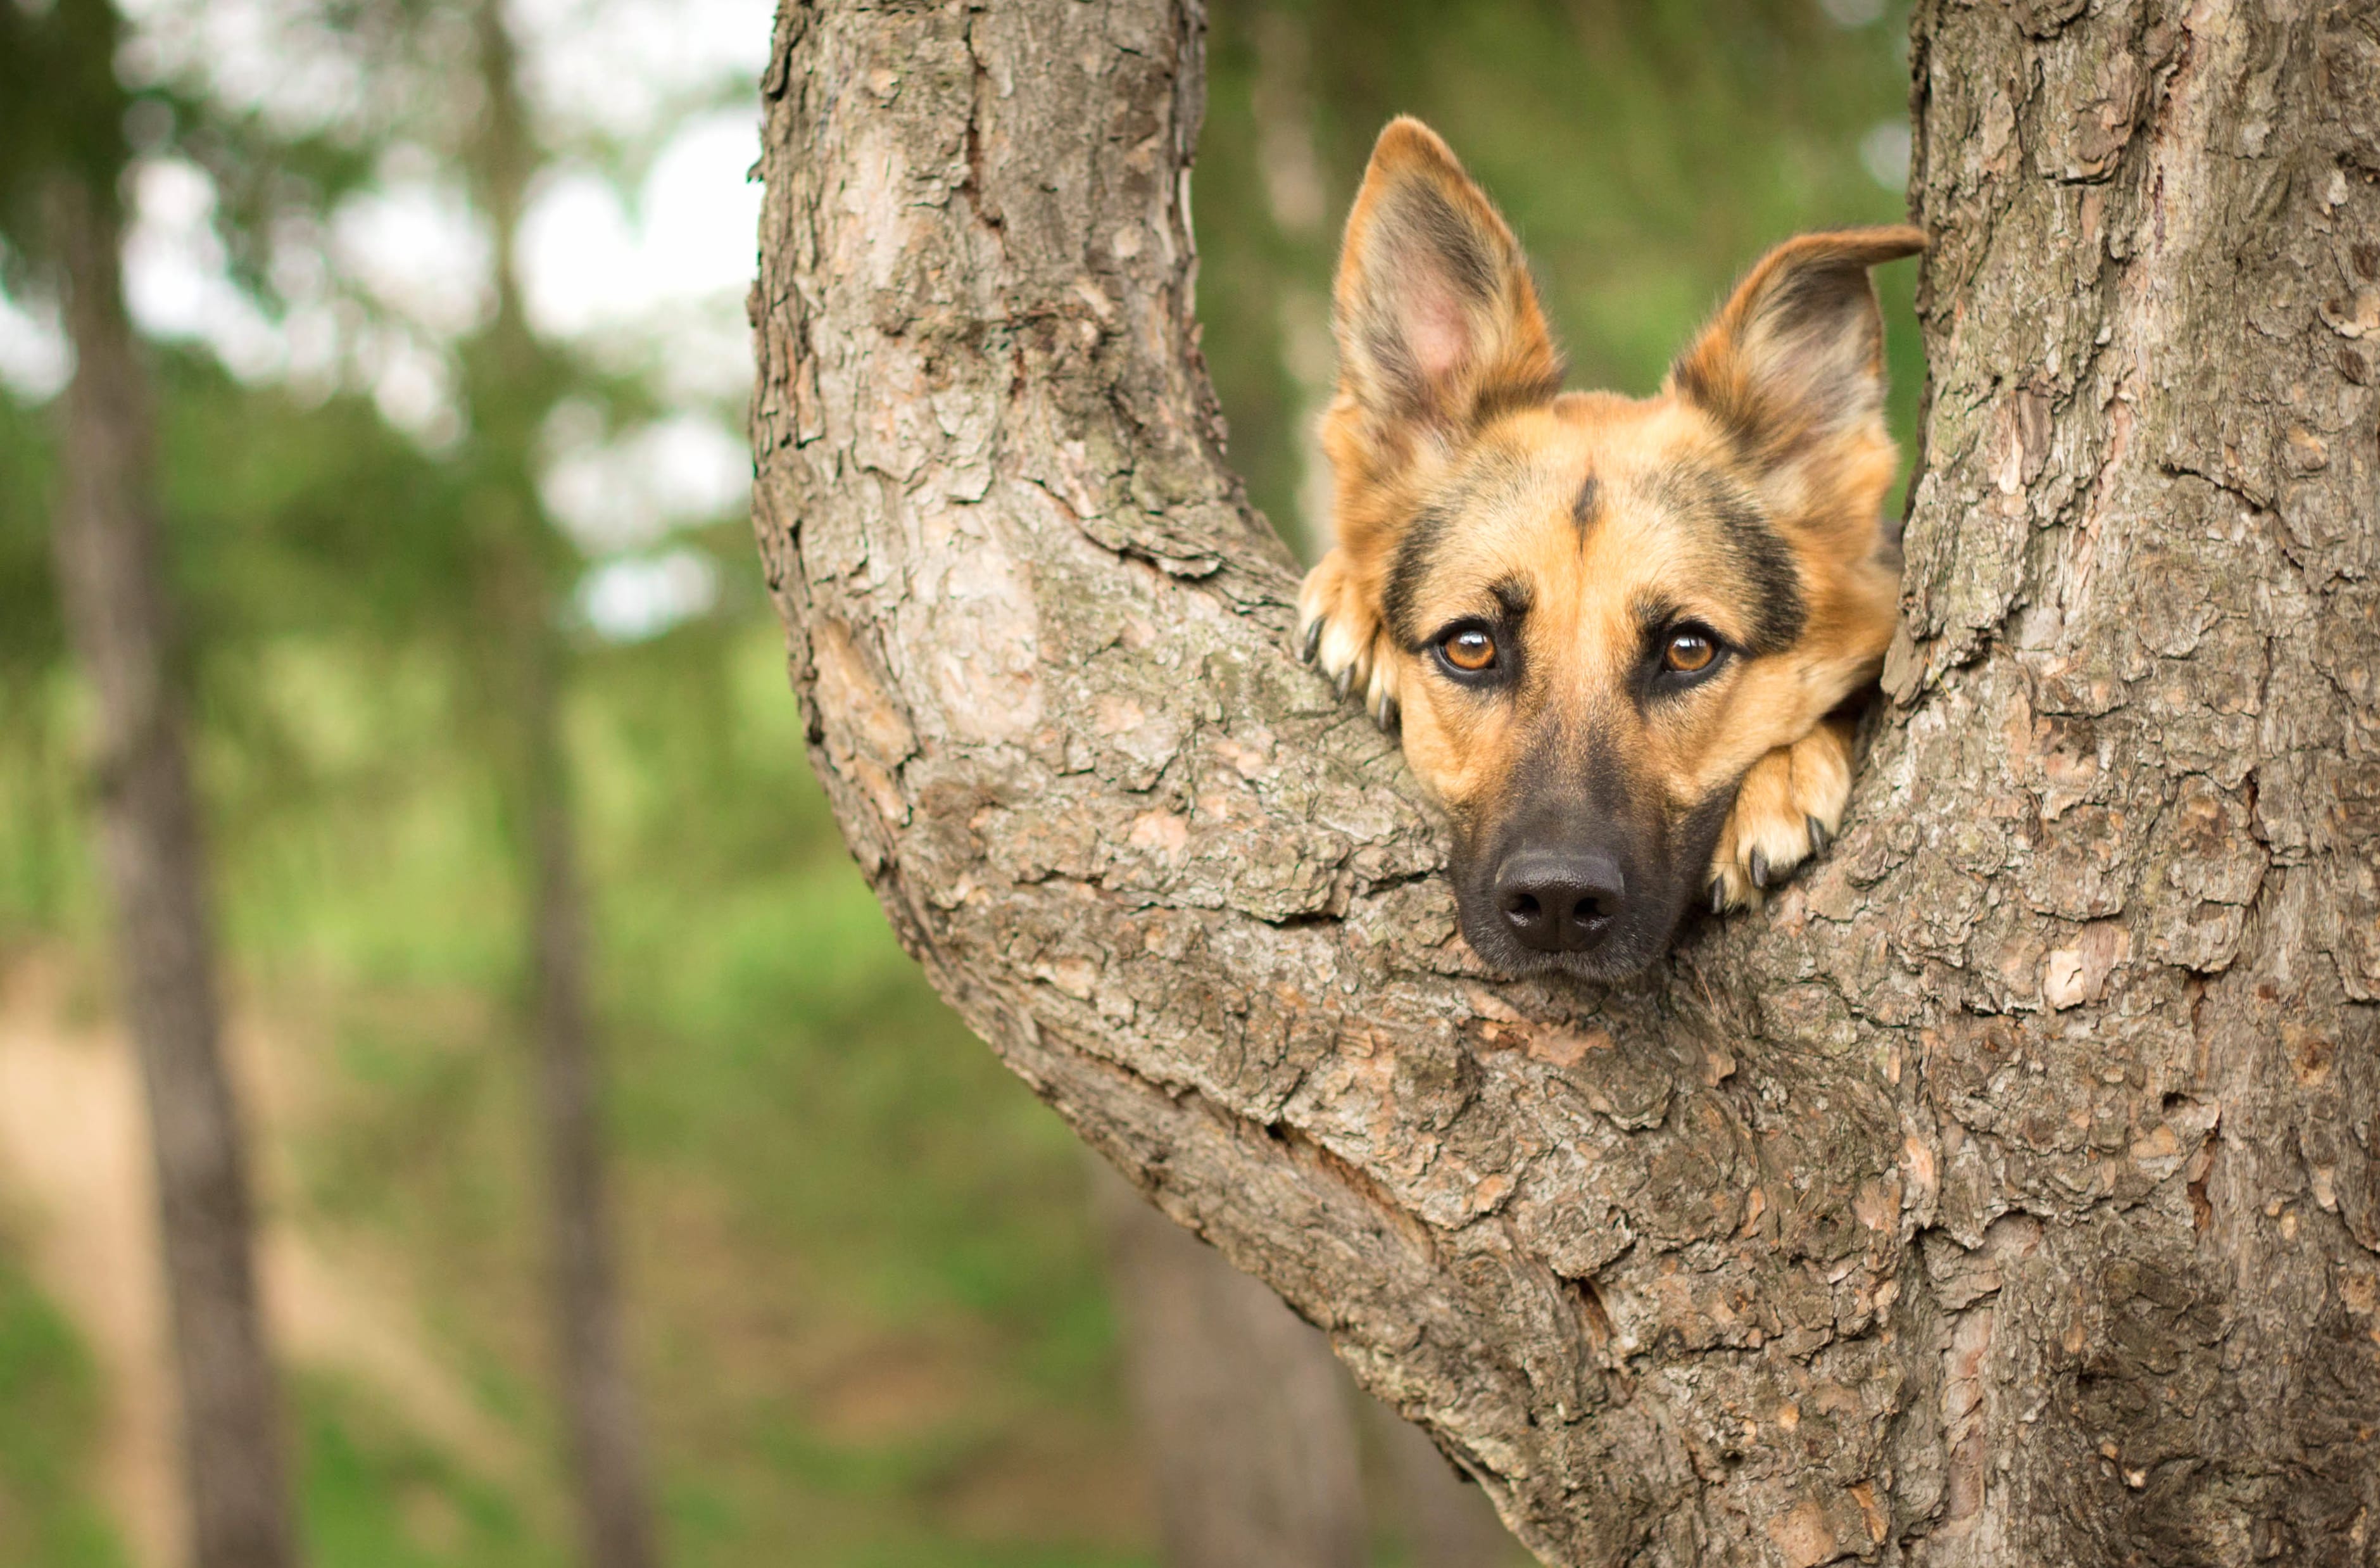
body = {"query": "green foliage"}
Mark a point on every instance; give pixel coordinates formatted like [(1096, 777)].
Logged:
[(61, 110), (37, 863), (31, 641), (376, 1496), (48, 1416)]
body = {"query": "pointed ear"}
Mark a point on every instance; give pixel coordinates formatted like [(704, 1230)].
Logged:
[(1792, 367), (1438, 322)]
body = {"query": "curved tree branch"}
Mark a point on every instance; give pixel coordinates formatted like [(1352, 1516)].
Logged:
[(1927, 1216)]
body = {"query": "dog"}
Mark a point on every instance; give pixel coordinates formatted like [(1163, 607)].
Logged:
[(1616, 635)]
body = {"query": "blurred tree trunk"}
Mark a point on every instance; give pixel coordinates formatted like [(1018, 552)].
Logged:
[(1446, 1519), (1296, 199), (599, 1397), (111, 588), (2009, 1192), (1247, 1423), (513, 383), (1242, 1412)]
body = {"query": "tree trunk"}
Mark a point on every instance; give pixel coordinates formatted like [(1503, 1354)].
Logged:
[(1242, 1412), (600, 1400), (513, 380), (2009, 1191), (1446, 1519), (1247, 1423), (112, 590)]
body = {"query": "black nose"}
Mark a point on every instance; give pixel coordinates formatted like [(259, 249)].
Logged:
[(1558, 901)]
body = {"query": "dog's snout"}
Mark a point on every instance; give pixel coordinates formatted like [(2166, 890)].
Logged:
[(1558, 901)]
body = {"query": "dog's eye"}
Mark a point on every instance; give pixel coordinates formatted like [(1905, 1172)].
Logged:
[(1689, 652), (1470, 649)]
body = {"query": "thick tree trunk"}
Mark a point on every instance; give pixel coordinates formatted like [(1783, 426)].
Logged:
[(515, 381), (2007, 1192), (1243, 1415), (112, 590)]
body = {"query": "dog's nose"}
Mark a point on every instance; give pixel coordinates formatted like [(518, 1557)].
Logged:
[(1559, 901)]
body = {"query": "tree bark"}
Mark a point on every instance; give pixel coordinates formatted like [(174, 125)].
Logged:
[(111, 588), (2006, 1193), (514, 382)]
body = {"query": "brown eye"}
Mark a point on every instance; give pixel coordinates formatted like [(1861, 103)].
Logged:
[(1470, 649), (1689, 652)]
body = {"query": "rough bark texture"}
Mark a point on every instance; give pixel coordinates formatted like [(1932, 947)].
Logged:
[(2007, 1192), (1245, 1421), (111, 588)]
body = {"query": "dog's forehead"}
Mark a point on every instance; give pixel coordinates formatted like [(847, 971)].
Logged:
[(1536, 499), (1588, 457), (1604, 505)]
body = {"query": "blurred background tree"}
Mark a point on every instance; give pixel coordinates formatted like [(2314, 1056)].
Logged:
[(865, 1290)]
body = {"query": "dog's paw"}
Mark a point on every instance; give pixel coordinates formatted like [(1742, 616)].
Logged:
[(1339, 632), (1788, 809)]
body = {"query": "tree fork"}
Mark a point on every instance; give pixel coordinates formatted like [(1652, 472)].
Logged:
[(2005, 1192)]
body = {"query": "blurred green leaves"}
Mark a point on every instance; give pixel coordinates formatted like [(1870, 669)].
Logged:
[(49, 1513)]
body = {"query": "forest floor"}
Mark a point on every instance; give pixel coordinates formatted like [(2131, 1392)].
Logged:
[(794, 1408), (75, 1170)]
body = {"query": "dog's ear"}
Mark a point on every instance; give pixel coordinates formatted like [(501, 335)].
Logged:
[(1438, 322), (1792, 367)]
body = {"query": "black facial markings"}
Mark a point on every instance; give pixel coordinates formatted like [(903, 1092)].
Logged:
[(1513, 599), (1653, 615), (1584, 506), (1749, 549), (1415, 549), (1605, 781), (1498, 674), (1695, 838), (1767, 564), (1657, 621), (1493, 474)]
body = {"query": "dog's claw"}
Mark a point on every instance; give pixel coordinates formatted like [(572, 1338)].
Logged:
[(1719, 895), (1820, 837), (1385, 714), (1346, 681), (1758, 864), (1310, 647)]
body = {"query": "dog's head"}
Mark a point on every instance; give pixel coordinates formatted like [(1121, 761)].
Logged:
[(1593, 613)]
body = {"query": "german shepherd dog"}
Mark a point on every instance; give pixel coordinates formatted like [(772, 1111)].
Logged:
[(1616, 632)]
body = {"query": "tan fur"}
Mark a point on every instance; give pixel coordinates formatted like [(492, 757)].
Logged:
[(1594, 506)]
